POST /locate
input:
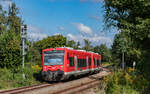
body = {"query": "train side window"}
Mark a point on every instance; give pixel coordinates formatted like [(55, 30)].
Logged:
[(94, 61), (85, 62), (82, 63), (89, 61), (71, 61), (79, 63), (98, 62)]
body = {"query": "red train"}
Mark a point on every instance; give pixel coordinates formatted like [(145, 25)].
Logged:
[(63, 63)]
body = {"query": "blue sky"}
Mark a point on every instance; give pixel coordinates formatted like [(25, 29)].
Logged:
[(75, 19)]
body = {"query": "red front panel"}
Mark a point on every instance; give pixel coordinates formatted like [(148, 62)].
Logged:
[(52, 67)]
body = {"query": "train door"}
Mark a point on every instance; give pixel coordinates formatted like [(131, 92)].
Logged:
[(95, 62), (75, 61), (87, 62), (100, 62)]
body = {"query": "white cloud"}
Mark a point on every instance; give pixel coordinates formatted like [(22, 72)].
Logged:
[(87, 33), (61, 28), (5, 3), (57, 34), (93, 1), (98, 18), (83, 28), (74, 37), (95, 39), (96, 0), (34, 33)]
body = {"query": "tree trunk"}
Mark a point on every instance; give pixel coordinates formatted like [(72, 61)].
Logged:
[(123, 64)]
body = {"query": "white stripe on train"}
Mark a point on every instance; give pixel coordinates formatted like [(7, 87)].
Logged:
[(82, 71)]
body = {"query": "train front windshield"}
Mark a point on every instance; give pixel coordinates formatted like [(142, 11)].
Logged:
[(54, 57)]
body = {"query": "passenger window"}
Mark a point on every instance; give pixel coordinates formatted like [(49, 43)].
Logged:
[(98, 62), (71, 61), (89, 61), (82, 63)]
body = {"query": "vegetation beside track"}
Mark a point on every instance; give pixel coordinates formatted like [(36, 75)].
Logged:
[(130, 81), (12, 78)]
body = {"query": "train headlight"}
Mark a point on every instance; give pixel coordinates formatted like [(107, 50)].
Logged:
[(44, 67)]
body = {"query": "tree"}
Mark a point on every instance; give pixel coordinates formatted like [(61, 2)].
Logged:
[(132, 17), (123, 50), (2, 20), (14, 21), (71, 43), (78, 45), (9, 50), (104, 51), (87, 45), (10, 24), (120, 47), (50, 42)]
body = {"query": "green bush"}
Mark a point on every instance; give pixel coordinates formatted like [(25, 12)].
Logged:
[(9, 50), (13, 78), (125, 82)]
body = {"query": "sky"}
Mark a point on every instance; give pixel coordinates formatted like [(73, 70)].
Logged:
[(75, 19)]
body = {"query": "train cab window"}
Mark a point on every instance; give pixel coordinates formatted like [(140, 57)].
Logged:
[(54, 57), (71, 61)]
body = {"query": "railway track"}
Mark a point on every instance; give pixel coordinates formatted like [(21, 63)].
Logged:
[(25, 89), (69, 87), (78, 88)]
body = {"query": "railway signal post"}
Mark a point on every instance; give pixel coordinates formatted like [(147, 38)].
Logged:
[(23, 37)]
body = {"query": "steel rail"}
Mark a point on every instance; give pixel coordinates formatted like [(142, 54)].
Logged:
[(26, 88)]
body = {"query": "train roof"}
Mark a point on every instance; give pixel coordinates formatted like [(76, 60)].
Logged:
[(69, 48)]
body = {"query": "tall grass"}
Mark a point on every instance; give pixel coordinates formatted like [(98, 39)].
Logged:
[(11, 78)]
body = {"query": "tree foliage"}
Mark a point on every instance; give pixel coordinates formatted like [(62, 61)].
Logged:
[(2, 20), (104, 51), (87, 45), (13, 20), (131, 17), (50, 42), (10, 51)]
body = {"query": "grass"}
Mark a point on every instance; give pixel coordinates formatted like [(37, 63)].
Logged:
[(12, 78), (104, 64)]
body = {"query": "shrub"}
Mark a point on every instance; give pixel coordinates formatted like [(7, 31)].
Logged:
[(13, 78), (125, 82)]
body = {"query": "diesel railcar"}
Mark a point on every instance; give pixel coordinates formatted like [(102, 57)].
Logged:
[(63, 63)]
